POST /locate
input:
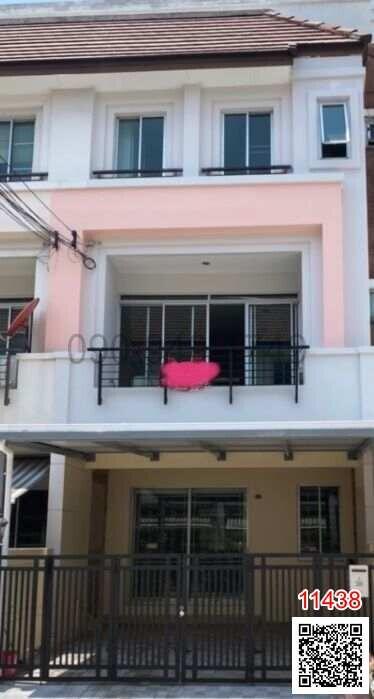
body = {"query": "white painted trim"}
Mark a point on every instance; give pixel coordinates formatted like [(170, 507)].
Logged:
[(317, 428), (203, 181)]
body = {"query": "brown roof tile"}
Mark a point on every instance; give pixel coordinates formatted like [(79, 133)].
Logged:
[(159, 36)]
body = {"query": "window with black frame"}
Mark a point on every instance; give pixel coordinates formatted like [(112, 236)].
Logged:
[(335, 135), (319, 528), (140, 145)]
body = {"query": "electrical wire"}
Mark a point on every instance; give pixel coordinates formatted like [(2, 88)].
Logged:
[(12, 204)]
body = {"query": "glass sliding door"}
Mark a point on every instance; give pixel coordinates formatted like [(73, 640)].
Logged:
[(250, 339), (271, 328), (190, 521), (151, 333), (218, 522), (226, 340), (161, 522), (140, 356)]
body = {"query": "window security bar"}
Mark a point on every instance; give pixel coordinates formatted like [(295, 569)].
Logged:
[(112, 174), (22, 176), (8, 371), (270, 170), (139, 366)]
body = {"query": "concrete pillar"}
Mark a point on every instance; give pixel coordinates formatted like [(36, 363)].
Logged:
[(191, 131), (63, 318), (364, 479), (69, 505), (72, 113), (41, 292)]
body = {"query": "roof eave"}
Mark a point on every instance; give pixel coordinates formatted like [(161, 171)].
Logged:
[(179, 62)]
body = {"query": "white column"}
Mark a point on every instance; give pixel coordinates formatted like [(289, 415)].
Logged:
[(69, 505), (71, 127), (41, 292), (7, 496), (191, 130)]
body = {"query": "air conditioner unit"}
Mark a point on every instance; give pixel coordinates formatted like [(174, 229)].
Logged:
[(371, 134)]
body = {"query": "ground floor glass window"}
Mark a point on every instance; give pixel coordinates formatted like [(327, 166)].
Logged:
[(319, 520), (190, 521)]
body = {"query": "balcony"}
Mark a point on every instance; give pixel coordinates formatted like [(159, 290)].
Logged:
[(275, 364)]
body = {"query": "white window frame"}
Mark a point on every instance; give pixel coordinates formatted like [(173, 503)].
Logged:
[(18, 120), (320, 487), (347, 140), (355, 153), (140, 116), (248, 113)]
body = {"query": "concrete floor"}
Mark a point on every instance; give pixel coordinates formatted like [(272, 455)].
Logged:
[(28, 690)]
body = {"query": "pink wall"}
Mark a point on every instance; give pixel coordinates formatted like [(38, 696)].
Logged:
[(174, 211)]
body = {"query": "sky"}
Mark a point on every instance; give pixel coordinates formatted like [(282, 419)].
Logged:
[(26, 2)]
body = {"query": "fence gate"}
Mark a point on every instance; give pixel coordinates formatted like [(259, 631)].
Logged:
[(170, 618)]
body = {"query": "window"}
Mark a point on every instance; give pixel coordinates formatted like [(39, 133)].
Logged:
[(190, 521), (184, 328), (334, 130), (21, 340), (247, 141), (16, 146), (140, 144), (319, 520), (29, 519)]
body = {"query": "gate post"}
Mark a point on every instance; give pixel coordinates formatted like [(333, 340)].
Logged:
[(183, 569), (45, 648), (115, 568), (249, 606)]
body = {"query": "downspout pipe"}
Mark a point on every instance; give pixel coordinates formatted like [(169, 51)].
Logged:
[(7, 508)]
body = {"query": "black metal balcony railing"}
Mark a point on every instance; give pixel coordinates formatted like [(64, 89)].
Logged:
[(270, 170), (22, 176), (275, 364), (8, 373), (113, 174)]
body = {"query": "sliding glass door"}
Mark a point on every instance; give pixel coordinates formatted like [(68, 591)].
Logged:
[(249, 338), (190, 521)]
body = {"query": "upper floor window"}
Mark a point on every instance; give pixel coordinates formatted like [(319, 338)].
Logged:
[(16, 146), (247, 140), (334, 130), (140, 144), (319, 520)]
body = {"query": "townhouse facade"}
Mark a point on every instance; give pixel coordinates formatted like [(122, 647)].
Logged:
[(209, 171)]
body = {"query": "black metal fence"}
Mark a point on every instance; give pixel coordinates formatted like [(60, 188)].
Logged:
[(8, 373), (272, 364), (173, 618)]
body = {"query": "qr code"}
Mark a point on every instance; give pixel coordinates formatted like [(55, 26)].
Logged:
[(330, 655)]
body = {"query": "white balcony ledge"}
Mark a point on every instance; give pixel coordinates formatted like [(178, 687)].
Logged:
[(338, 386)]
